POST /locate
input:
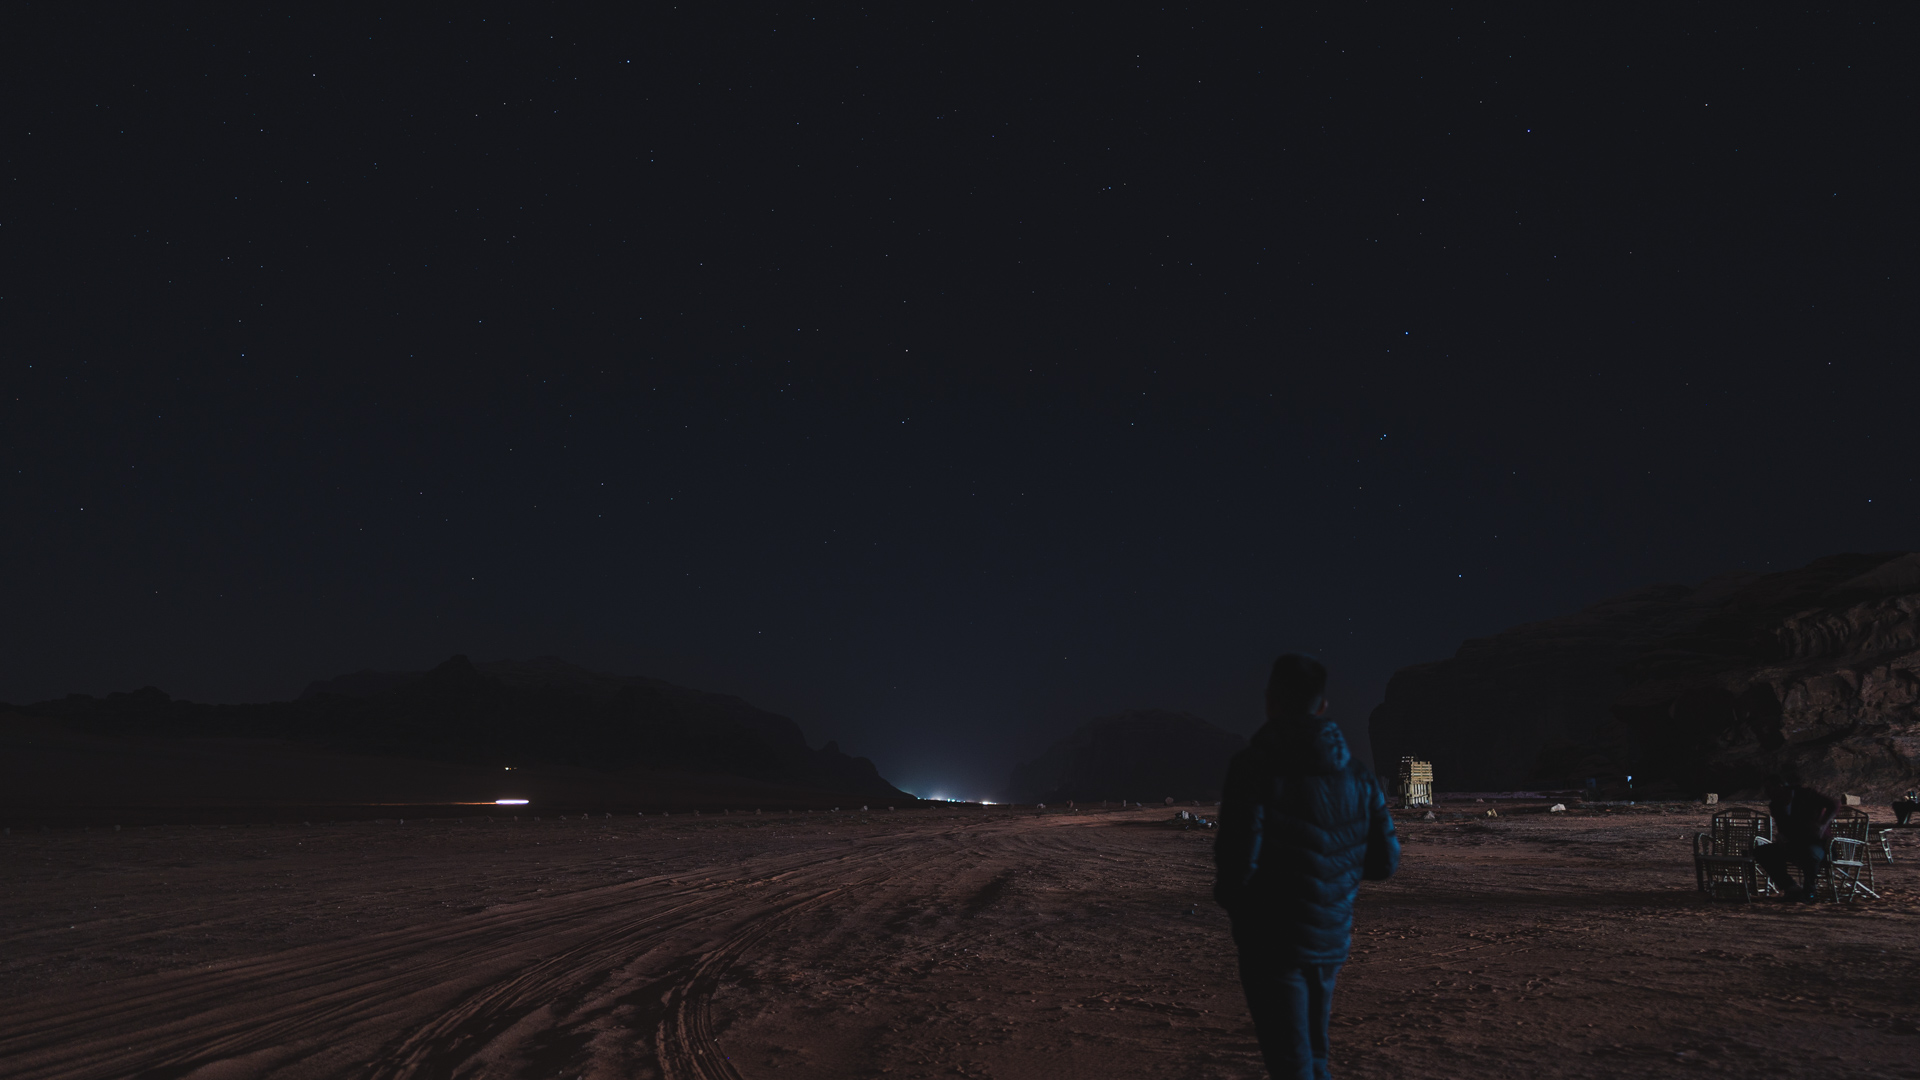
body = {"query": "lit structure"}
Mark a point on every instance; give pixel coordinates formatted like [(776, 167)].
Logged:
[(1416, 783)]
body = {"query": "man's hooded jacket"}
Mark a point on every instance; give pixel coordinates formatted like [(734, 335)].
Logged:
[(1301, 823)]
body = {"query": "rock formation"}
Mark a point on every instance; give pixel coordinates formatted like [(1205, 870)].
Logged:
[(1814, 671), (1146, 755), (543, 710)]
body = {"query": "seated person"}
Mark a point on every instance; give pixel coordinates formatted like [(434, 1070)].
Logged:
[(1903, 808), (1802, 822)]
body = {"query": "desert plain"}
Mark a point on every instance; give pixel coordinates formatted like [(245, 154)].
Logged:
[(972, 941)]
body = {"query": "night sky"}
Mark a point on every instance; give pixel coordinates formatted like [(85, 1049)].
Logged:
[(942, 378)]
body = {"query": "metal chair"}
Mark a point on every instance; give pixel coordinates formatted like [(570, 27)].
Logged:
[(1736, 828), (1853, 824), (1846, 864), (1725, 854), (1723, 876)]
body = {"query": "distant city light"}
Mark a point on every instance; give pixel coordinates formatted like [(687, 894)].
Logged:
[(509, 802)]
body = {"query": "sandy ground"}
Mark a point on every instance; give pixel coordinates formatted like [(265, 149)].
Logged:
[(963, 942)]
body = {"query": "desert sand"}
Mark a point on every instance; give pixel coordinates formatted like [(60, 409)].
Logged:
[(971, 941)]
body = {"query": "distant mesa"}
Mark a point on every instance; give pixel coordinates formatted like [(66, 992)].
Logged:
[(1685, 688), (529, 712), (1146, 755)]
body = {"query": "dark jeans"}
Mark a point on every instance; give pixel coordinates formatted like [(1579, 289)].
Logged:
[(1775, 858), (1290, 1005), (1903, 811)]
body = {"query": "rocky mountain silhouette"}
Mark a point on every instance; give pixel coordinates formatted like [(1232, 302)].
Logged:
[(1814, 671), (543, 711), (1141, 756)]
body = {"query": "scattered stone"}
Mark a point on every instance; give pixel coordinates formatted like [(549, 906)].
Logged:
[(1556, 808), (1040, 806), (863, 809), (1851, 800), (1712, 798), (1429, 817), (1491, 812)]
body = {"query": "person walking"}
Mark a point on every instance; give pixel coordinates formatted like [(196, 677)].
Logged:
[(1301, 823)]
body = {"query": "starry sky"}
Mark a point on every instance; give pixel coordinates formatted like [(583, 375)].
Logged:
[(940, 377)]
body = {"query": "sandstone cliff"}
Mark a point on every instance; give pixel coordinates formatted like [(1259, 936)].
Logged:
[(1688, 689), (543, 710)]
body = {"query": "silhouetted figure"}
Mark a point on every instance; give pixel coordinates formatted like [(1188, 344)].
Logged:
[(1301, 823), (1903, 808), (1802, 821)]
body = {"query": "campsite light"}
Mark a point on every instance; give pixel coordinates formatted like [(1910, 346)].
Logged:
[(509, 802)]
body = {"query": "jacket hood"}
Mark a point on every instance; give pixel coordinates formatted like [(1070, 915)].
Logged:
[(1308, 745)]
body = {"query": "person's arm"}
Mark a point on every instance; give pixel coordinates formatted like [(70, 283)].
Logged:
[(1383, 845), (1236, 849), (1828, 810)]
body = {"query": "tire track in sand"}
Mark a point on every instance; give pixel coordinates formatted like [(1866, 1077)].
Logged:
[(619, 975)]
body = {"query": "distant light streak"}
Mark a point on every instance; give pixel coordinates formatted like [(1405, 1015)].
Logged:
[(509, 802)]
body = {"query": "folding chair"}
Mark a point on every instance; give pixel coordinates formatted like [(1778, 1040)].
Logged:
[(1846, 864), (1728, 849), (1852, 823), (1725, 877), (1735, 829)]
